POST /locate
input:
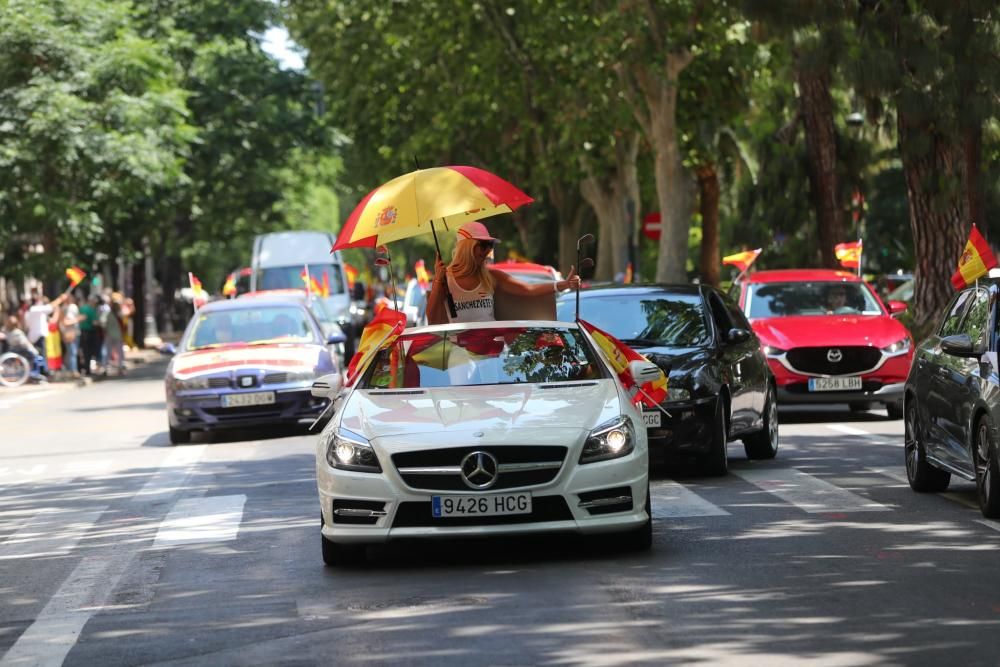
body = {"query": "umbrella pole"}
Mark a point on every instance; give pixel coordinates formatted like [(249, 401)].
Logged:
[(447, 292), (392, 282)]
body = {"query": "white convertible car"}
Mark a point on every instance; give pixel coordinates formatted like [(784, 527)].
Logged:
[(493, 428)]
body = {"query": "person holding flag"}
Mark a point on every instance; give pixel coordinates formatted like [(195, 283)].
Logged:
[(975, 261)]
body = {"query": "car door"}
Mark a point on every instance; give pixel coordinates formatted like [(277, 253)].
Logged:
[(734, 357), (963, 383), (753, 365), (933, 366)]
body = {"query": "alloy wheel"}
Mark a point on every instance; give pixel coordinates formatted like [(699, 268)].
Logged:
[(910, 441), (984, 455)]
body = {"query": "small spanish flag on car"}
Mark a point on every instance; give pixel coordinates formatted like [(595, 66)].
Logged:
[(976, 260), (742, 260), (384, 328), (229, 287), (619, 355), (75, 275), (848, 254)]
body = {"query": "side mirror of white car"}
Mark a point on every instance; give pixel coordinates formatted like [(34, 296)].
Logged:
[(327, 386), (644, 371)]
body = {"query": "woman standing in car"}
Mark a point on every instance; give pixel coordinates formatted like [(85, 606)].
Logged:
[(472, 284)]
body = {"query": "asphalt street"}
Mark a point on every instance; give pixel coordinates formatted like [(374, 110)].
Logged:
[(116, 548)]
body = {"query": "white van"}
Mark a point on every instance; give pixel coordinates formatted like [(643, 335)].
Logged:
[(280, 258)]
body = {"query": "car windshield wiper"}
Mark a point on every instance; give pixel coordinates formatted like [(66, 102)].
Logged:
[(649, 342)]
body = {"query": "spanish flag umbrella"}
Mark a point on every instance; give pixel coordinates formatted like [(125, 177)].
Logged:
[(427, 200)]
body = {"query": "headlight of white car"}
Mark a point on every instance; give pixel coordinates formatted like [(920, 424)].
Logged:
[(678, 394), (349, 451), (190, 383), (610, 440), (899, 347)]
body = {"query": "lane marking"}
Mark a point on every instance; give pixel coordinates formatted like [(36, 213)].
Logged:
[(54, 632), (674, 500), (205, 519), (14, 400), (50, 532), (870, 437), (171, 475), (989, 523), (807, 492)]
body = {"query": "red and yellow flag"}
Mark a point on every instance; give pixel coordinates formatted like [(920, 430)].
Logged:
[(311, 285), (75, 275), (229, 287), (742, 260), (381, 331), (326, 284), (423, 278), (976, 260), (198, 295), (629, 274), (619, 355), (352, 275), (848, 254)]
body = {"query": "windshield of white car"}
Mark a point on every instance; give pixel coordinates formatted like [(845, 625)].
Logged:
[(249, 326), (670, 320), (811, 298), (500, 355)]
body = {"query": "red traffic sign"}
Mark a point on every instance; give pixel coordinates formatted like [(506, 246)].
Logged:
[(651, 226)]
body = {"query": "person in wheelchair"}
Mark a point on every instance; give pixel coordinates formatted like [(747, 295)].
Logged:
[(16, 341)]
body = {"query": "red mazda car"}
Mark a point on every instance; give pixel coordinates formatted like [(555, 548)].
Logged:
[(828, 338)]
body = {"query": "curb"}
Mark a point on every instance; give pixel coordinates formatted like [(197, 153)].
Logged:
[(132, 360)]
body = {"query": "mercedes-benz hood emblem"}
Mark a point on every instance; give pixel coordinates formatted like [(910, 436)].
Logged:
[(479, 470)]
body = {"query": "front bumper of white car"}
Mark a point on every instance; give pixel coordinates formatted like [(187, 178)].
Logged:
[(600, 497)]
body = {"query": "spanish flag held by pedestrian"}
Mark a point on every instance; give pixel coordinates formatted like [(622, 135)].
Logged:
[(619, 355), (976, 260), (381, 331), (75, 275), (848, 254), (742, 260)]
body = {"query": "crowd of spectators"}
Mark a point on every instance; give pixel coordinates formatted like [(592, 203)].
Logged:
[(71, 335)]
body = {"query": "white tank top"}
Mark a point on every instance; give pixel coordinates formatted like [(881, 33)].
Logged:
[(475, 305)]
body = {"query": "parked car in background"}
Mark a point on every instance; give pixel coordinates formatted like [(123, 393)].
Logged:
[(482, 429), (246, 362), (953, 400), (828, 338), (720, 387)]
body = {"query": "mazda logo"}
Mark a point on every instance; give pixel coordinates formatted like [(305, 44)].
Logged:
[(479, 470), (834, 355)]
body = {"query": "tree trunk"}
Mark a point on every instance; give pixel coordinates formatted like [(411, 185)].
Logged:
[(816, 107), (708, 204), (615, 219), (933, 165), (973, 172), (570, 211)]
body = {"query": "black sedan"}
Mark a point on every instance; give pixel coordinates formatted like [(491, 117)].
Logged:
[(720, 386), (952, 400)]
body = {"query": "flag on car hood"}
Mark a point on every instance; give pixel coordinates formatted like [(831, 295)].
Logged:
[(619, 355), (976, 260)]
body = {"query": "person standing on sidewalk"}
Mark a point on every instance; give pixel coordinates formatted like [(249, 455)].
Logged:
[(69, 331), (90, 342), (37, 322)]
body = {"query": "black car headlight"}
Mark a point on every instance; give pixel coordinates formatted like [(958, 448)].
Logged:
[(610, 440), (348, 451)]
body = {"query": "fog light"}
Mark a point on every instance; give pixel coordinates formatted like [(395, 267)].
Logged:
[(187, 412)]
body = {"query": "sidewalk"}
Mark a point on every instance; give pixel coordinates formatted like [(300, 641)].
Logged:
[(62, 380)]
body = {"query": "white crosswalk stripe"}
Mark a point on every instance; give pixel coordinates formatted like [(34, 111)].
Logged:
[(674, 500), (206, 519), (171, 475), (807, 492)]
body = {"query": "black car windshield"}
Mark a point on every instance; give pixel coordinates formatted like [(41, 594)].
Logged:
[(810, 298), (249, 326), (495, 355), (671, 320)]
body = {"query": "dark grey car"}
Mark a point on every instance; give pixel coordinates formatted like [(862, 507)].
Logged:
[(720, 386), (952, 400)]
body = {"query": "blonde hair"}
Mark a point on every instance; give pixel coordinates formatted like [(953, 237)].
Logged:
[(463, 263)]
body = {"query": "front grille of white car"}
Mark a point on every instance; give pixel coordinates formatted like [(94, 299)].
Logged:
[(518, 466)]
